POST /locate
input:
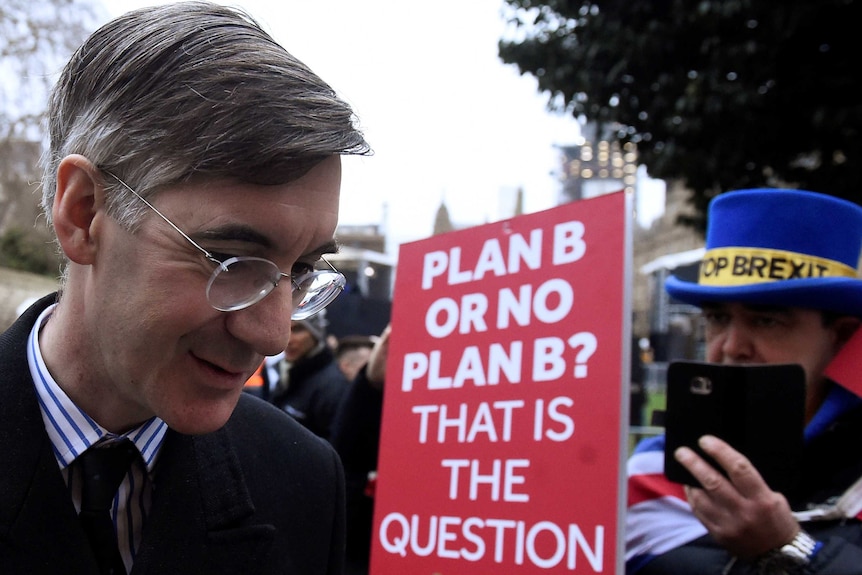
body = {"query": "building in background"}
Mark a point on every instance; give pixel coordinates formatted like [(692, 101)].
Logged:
[(598, 165)]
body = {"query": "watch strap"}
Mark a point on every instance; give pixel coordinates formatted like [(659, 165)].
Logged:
[(791, 557), (803, 547)]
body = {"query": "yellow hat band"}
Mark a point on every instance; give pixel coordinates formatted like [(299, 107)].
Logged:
[(742, 266)]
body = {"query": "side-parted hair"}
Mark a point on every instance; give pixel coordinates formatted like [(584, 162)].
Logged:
[(191, 90)]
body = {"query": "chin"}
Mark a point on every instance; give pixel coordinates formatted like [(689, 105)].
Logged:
[(201, 419)]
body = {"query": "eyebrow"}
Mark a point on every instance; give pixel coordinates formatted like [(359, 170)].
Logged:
[(330, 247), (765, 308), (247, 234), (235, 232), (752, 307)]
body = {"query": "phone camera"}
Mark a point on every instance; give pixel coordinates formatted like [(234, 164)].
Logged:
[(701, 385)]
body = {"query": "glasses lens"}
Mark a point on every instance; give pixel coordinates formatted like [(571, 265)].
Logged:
[(314, 291), (240, 282)]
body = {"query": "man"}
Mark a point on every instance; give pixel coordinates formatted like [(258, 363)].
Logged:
[(352, 353), (263, 382), (778, 284), (192, 181), (356, 437), (310, 385)]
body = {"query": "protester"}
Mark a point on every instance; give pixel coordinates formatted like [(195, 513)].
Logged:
[(356, 437), (310, 384), (778, 284), (192, 181), (352, 353), (264, 381)]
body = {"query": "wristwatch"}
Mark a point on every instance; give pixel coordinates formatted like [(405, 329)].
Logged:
[(789, 558)]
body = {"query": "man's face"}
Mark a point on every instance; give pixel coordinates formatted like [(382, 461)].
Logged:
[(157, 346), (746, 334), (301, 342)]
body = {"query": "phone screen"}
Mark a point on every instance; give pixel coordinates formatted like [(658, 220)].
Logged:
[(758, 409)]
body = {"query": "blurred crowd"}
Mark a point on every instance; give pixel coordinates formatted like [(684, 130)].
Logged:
[(334, 387)]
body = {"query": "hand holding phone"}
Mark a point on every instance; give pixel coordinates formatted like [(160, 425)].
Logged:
[(758, 409)]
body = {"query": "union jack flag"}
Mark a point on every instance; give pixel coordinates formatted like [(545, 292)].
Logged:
[(658, 518)]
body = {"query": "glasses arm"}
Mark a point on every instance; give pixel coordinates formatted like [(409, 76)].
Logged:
[(332, 267), (208, 255)]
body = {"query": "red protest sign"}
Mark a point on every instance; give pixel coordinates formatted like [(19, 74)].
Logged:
[(502, 441)]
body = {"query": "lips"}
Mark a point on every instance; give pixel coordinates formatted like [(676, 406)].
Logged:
[(221, 375)]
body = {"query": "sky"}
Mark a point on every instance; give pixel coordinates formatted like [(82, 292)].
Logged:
[(447, 120)]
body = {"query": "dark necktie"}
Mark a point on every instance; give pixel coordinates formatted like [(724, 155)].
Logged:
[(102, 471)]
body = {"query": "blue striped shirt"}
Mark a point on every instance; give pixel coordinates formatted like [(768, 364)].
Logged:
[(72, 431)]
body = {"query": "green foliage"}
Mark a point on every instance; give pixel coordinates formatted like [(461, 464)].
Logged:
[(21, 251), (721, 94)]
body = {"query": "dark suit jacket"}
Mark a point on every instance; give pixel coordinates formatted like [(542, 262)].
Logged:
[(261, 495)]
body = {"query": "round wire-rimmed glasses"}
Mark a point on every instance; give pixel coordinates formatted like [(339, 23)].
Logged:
[(241, 281)]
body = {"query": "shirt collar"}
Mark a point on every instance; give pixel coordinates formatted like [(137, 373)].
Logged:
[(69, 428)]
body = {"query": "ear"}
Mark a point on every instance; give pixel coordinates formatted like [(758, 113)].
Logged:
[(79, 199)]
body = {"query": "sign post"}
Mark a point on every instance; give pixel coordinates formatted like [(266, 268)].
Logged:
[(504, 420)]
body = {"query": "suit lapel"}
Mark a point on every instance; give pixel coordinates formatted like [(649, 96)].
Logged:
[(198, 523), (45, 519), (36, 511)]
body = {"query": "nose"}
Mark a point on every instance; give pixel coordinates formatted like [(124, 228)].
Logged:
[(264, 326), (737, 345)]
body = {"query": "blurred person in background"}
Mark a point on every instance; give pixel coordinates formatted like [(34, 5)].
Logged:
[(310, 384), (356, 437), (352, 353)]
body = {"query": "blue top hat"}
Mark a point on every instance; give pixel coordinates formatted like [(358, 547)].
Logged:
[(779, 247)]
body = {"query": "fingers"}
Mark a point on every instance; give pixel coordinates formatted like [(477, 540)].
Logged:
[(740, 511), (741, 473), (742, 481), (707, 475), (376, 370)]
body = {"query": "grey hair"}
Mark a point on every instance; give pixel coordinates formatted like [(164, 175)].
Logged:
[(162, 95)]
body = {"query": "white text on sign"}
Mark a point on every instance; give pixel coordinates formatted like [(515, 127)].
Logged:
[(569, 246)]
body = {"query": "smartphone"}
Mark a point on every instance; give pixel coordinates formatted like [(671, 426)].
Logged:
[(758, 409)]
